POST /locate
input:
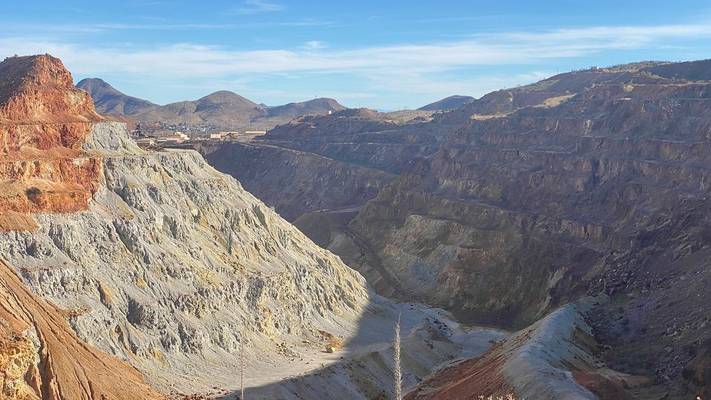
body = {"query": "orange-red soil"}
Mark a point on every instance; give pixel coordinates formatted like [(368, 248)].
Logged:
[(468, 379), (44, 120), (59, 366)]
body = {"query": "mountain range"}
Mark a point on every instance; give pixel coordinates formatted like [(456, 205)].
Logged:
[(223, 109), (227, 110), (549, 241), (138, 274), (581, 197)]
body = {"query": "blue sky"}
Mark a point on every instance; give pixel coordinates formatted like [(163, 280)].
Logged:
[(382, 54)]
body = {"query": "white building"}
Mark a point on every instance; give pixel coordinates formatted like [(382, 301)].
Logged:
[(176, 137)]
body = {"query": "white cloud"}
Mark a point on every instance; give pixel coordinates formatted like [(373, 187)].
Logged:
[(181, 60), (91, 28), (250, 7), (410, 68), (314, 45)]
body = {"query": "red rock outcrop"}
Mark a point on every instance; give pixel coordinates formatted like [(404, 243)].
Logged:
[(44, 120), (42, 358), (39, 89)]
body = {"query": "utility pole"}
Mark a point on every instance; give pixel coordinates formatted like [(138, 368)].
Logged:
[(241, 370), (397, 371)]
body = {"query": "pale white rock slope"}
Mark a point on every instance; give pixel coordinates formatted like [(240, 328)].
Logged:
[(174, 266)]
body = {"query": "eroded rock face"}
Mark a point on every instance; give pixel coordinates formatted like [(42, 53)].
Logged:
[(174, 266), (162, 261), (535, 363), (39, 105), (327, 184), (587, 182), (44, 120), (42, 358)]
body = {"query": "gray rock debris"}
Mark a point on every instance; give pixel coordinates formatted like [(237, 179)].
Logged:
[(174, 265)]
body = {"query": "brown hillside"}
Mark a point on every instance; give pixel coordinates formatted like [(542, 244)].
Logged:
[(56, 364)]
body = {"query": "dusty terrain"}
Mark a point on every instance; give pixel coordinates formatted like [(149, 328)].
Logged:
[(42, 358), (573, 211), (589, 182), (164, 275), (555, 358)]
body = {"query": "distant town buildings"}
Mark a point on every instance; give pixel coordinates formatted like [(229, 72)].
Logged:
[(167, 135), (146, 141), (177, 137)]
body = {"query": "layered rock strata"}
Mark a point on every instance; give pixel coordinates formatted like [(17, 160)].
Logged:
[(44, 120), (160, 260), (42, 358), (526, 199)]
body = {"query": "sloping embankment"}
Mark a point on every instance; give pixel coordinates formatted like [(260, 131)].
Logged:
[(551, 359), (42, 358)]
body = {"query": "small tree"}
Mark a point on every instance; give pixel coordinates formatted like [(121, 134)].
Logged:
[(397, 372)]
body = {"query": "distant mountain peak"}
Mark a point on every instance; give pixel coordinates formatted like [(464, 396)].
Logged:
[(227, 97), (448, 103), (222, 108), (110, 101), (321, 105), (95, 82)]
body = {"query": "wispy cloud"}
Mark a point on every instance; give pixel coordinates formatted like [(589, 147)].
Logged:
[(630, 36), (250, 7), (491, 49), (412, 68), (314, 45), (25, 28)]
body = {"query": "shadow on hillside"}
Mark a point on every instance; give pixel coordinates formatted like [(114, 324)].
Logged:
[(364, 367)]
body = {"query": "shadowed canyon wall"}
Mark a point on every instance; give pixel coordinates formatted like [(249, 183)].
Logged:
[(589, 182)]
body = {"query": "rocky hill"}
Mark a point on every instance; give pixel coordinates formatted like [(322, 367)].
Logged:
[(113, 251), (43, 117), (222, 109), (44, 121), (310, 107), (109, 101), (133, 274), (39, 107), (587, 183), (448, 103)]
